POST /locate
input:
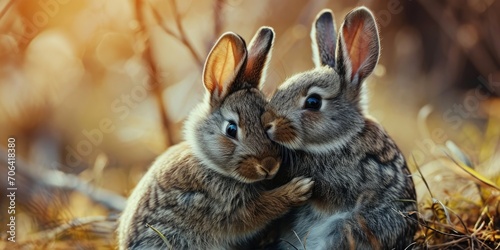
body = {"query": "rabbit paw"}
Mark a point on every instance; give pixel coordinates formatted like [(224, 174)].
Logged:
[(298, 190)]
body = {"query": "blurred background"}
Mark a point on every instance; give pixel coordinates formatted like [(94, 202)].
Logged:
[(92, 91)]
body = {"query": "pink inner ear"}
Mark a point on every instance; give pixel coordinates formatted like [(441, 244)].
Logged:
[(357, 41), (223, 63), (227, 61), (249, 71)]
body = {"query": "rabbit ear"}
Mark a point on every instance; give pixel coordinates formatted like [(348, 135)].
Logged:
[(358, 46), (324, 38), (225, 61), (258, 56)]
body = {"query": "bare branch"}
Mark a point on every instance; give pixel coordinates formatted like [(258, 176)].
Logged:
[(182, 34), (6, 8), (57, 179), (160, 21), (153, 72), (75, 223), (218, 10)]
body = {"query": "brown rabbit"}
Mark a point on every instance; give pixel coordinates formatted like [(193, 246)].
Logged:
[(363, 195), (205, 193)]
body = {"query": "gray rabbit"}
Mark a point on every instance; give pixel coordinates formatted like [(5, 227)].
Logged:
[(205, 193), (363, 196)]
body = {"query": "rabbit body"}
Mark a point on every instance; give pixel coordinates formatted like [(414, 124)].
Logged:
[(205, 193), (195, 207), (363, 194), (359, 195)]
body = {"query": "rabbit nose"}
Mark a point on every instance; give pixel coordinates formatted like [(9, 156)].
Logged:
[(270, 166), (269, 126), (267, 117), (268, 122)]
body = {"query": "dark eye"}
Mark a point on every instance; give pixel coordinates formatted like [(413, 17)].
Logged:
[(231, 129), (313, 102)]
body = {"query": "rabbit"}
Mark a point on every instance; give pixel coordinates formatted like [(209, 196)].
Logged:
[(205, 193), (363, 196)]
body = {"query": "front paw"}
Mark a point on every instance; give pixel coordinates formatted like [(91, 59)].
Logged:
[(298, 190)]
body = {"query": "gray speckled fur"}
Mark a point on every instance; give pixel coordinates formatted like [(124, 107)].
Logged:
[(362, 184)]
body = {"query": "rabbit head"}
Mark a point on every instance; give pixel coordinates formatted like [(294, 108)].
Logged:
[(225, 130), (321, 109)]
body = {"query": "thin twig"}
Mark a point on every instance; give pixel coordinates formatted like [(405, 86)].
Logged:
[(422, 176), (182, 34), (162, 236), (160, 21), (6, 8), (218, 10), (75, 223)]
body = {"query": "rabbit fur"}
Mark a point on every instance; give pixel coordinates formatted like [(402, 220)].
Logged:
[(363, 196), (205, 193)]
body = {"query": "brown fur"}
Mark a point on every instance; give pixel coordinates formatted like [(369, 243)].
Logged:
[(205, 193)]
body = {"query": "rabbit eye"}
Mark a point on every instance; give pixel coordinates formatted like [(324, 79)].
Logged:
[(231, 129), (313, 102)]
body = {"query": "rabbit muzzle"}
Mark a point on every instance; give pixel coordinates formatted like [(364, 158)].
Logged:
[(253, 169), (279, 129)]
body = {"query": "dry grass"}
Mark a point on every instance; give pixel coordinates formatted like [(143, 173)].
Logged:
[(460, 223), (461, 208)]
